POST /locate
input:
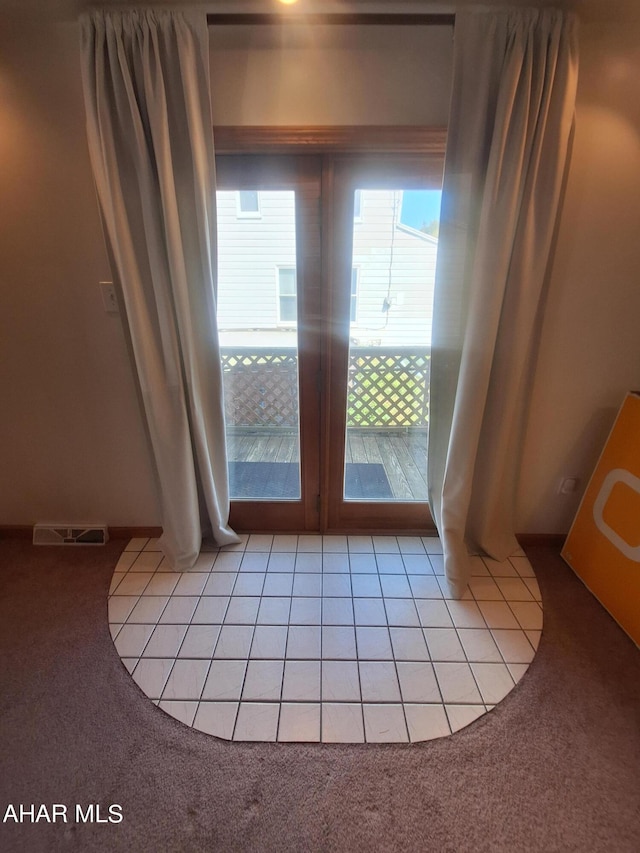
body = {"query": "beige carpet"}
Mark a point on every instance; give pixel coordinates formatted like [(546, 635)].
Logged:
[(554, 767)]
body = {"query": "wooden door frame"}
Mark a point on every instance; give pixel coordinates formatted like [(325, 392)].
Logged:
[(301, 174), (342, 175), (357, 144)]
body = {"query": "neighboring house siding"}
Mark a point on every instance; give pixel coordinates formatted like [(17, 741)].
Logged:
[(251, 250), (380, 243)]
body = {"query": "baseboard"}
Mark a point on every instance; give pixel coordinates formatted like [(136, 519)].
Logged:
[(548, 540), (21, 531), (134, 532), (24, 531)]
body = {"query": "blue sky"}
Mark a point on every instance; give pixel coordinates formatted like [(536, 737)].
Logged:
[(420, 206)]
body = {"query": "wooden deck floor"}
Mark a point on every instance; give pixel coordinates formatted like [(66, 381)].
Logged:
[(403, 454)]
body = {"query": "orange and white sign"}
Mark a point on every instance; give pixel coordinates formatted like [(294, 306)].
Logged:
[(603, 545)]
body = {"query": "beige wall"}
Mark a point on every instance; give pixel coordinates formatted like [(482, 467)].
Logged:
[(70, 431), (331, 75), (71, 442), (590, 349)]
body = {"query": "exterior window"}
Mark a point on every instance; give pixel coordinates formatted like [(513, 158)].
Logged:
[(248, 203), (355, 274), (287, 309)]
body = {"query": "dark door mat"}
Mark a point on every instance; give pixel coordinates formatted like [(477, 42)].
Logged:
[(367, 481), (277, 480), (281, 481)]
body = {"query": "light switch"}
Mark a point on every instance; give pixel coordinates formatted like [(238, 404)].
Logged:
[(109, 297)]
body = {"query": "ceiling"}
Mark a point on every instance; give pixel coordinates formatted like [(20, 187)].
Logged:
[(589, 10)]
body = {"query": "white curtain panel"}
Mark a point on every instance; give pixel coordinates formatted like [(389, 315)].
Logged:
[(146, 85), (512, 108)]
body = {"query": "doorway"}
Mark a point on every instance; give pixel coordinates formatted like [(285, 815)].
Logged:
[(326, 269)]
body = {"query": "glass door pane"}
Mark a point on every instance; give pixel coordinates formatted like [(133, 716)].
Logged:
[(385, 210), (258, 328), (395, 239)]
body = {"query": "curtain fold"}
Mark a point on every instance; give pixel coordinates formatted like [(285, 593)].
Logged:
[(512, 108), (146, 87)]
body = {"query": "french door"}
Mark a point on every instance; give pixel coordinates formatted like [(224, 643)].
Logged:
[(325, 284)]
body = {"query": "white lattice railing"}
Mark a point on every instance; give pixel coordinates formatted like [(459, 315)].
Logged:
[(387, 386)]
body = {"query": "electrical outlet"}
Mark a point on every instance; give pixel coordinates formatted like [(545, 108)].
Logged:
[(109, 297), (568, 485)]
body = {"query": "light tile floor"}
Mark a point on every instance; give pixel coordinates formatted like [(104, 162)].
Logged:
[(343, 639)]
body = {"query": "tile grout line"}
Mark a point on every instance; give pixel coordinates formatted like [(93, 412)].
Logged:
[(189, 624), (157, 622), (477, 683), (248, 654), (393, 651), (126, 622), (355, 640), (286, 645)]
